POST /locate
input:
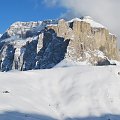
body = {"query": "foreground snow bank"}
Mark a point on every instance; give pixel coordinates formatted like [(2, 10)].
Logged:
[(69, 93)]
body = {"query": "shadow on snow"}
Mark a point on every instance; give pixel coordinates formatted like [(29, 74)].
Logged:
[(14, 115)]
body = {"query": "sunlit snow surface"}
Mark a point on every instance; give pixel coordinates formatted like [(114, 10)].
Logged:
[(89, 20), (68, 93), (0, 35)]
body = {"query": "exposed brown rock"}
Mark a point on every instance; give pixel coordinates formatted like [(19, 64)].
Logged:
[(83, 37)]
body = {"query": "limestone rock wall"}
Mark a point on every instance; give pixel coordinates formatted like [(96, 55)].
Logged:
[(48, 44), (83, 37)]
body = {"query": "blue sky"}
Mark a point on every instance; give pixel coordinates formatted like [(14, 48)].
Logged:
[(26, 10), (103, 11)]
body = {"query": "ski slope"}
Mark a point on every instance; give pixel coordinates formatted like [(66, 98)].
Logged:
[(68, 93)]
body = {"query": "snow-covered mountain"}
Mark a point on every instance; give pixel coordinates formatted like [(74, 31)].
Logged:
[(70, 93), (73, 89), (0, 35), (26, 29), (43, 44)]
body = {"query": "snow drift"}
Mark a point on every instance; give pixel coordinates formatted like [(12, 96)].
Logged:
[(70, 93)]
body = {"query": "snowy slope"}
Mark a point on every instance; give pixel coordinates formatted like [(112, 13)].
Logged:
[(89, 20), (71, 93), (0, 35)]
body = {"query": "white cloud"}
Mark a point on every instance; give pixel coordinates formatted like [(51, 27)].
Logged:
[(104, 11)]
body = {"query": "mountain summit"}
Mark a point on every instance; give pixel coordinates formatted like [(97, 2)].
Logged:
[(44, 44)]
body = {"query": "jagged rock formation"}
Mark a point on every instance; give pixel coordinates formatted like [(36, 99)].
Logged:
[(86, 39), (40, 45)]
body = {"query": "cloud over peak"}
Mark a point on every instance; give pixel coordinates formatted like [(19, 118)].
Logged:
[(104, 11)]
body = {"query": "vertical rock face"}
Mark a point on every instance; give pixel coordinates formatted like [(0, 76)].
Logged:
[(8, 55), (53, 50), (87, 37), (22, 60), (62, 28), (40, 45)]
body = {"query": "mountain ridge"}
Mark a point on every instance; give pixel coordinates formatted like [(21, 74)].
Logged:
[(43, 44)]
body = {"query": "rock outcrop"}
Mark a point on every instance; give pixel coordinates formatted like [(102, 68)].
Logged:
[(85, 38), (40, 45)]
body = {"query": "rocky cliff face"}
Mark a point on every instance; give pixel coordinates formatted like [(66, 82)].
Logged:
[(86, 38), (40, 45)]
